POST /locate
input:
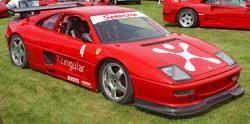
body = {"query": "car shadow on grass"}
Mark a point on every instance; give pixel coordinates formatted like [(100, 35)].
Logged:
[(1, 120)]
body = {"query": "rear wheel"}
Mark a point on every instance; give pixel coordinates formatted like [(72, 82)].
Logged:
[(138, 2), (18, 51), (115, 82), (187, 18), (115, 2)]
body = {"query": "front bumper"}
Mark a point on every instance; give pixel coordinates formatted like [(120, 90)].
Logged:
[(190, 110)]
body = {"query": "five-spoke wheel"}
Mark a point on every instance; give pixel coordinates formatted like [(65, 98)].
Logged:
[(115, 82), (187, 18), (18, 51)]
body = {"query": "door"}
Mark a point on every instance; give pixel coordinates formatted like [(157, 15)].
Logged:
[(66, 55), (232, 13)]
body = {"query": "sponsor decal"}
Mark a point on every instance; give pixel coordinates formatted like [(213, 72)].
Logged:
[(86, 84), (102, 18), (118, 16), (185, 54), (73, 79), (98, 51), (72, 65), (82, 50)]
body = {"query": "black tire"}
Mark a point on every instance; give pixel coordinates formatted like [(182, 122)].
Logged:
[(195, 21), (128, 96), (138, 2), (14, 39)]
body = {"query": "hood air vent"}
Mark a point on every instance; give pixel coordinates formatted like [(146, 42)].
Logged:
[(161, 42)]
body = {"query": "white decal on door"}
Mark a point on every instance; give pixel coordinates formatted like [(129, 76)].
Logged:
[(185, 54), (82, 50)]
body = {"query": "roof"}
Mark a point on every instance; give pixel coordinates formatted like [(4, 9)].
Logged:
[(99, 10)]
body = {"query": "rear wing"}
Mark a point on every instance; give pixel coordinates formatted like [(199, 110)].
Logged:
[(27, 11)]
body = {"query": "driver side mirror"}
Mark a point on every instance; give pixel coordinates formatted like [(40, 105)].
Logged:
[(86, 37), (248, 4)]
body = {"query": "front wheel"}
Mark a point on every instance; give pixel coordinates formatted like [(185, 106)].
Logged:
[(115, 82), (18, 51), (187, 18)]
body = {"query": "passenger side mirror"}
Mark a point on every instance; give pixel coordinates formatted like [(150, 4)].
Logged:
[(86, 37)]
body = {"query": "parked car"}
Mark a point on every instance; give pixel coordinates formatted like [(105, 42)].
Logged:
[(116, 2), (3, 9), (127, 56), (208, 13)]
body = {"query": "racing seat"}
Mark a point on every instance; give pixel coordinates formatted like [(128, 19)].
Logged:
[(76, 27)]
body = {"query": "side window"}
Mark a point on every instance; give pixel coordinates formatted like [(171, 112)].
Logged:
[(50, 22), (73, 26), (237, 3), (212, 1)]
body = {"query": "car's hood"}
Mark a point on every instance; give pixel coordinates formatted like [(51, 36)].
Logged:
[(193, 56)]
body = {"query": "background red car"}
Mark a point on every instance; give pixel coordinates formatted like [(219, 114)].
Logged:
[(3, 9), (208, 13)]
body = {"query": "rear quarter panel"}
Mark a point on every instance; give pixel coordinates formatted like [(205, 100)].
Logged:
[(171, 9)]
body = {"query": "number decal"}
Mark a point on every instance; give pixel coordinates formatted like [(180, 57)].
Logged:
[(82, 50)]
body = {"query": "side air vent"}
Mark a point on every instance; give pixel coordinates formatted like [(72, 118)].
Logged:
[(161, 42), (49, 58)]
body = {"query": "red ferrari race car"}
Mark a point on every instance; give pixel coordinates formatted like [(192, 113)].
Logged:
[(208, 13), (125, 55)]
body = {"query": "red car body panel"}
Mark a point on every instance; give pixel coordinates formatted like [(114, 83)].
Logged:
[(3, 10), (210, 15), (143, 64), (47, 2)]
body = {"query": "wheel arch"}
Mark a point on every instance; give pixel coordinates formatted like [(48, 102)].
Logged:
[(98, 67), (11, 35)]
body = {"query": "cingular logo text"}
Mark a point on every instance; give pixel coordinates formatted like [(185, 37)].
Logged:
[(72, 65)]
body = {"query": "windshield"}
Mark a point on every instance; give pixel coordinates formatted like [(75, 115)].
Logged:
[(124, 27)]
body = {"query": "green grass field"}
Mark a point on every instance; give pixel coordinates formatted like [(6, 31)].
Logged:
[(31, 97)]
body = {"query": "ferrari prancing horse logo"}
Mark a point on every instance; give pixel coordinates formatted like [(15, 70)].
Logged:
[(186, 55)]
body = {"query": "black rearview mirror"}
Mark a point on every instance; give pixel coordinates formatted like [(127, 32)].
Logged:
[(86, 37)]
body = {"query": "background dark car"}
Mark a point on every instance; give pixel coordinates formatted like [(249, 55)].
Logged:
[(120, 1)]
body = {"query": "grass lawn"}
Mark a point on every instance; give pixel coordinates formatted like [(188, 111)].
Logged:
[(31, 97)]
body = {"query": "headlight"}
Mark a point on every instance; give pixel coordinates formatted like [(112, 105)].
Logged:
[(176, 73), (226, 58)]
